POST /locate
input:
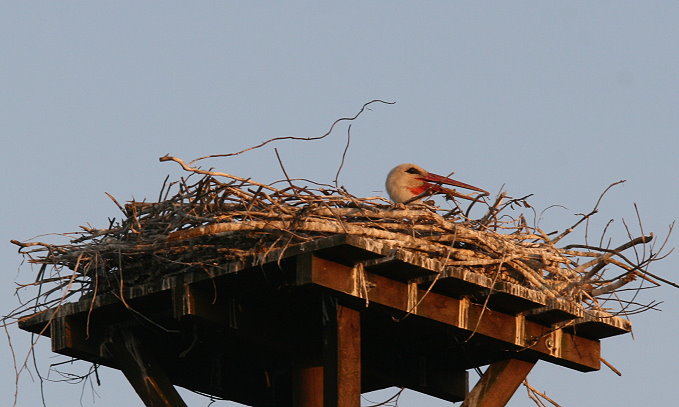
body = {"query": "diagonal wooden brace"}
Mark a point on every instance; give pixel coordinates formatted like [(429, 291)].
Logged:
[(142, 370), (498, 383)]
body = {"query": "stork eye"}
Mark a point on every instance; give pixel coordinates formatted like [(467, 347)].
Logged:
[(412, 170)]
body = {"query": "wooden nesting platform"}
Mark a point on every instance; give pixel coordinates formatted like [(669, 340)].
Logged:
[(322, 322)]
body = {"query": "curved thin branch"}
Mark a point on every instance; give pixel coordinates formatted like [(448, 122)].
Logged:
[(326, 134)]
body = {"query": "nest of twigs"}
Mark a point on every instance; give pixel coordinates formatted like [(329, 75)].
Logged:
[(208, 222)]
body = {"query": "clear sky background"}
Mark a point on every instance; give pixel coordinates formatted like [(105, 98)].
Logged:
[(557, 99)]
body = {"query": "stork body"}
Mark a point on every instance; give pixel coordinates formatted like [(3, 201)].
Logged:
[(406, 182)]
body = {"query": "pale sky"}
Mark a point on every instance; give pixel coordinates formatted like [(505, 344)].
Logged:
[(557, 99)]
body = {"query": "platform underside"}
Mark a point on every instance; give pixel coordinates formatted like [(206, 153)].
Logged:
[(341, 314)]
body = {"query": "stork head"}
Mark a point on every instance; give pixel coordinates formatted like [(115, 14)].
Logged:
[(407, 181)]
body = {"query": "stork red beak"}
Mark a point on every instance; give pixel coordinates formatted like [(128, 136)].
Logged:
[(433, 181)]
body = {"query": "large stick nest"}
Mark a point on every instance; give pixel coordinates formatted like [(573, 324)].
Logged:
[(204, 224)]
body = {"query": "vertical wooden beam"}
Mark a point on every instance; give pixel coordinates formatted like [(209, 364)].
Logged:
[(498, 383), (307, 386), (342, 357), (143, 371)]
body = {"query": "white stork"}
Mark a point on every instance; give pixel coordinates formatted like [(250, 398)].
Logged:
[(406, 182)]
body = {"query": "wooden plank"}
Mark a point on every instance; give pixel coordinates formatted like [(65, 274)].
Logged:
[(513, 298), (36, 323), (504, 296), (498, 383), (598, 325), (403, 266), (556, 311), (141, 296), (342, 357), (517, 333), (200, 301), (142, 370), (69, 337)]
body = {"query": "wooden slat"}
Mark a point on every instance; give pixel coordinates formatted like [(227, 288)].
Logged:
[(504, 296), (69, 337), (598, 325), (555, 311), (197, 300), (498, 383), (403, 266)]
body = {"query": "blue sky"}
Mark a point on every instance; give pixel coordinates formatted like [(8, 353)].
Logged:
[(557, 99)]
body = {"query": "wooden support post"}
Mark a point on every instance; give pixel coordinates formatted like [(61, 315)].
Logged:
[(498, 383), (307, 382), (335, 380), (342, 354), (143, 371)]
